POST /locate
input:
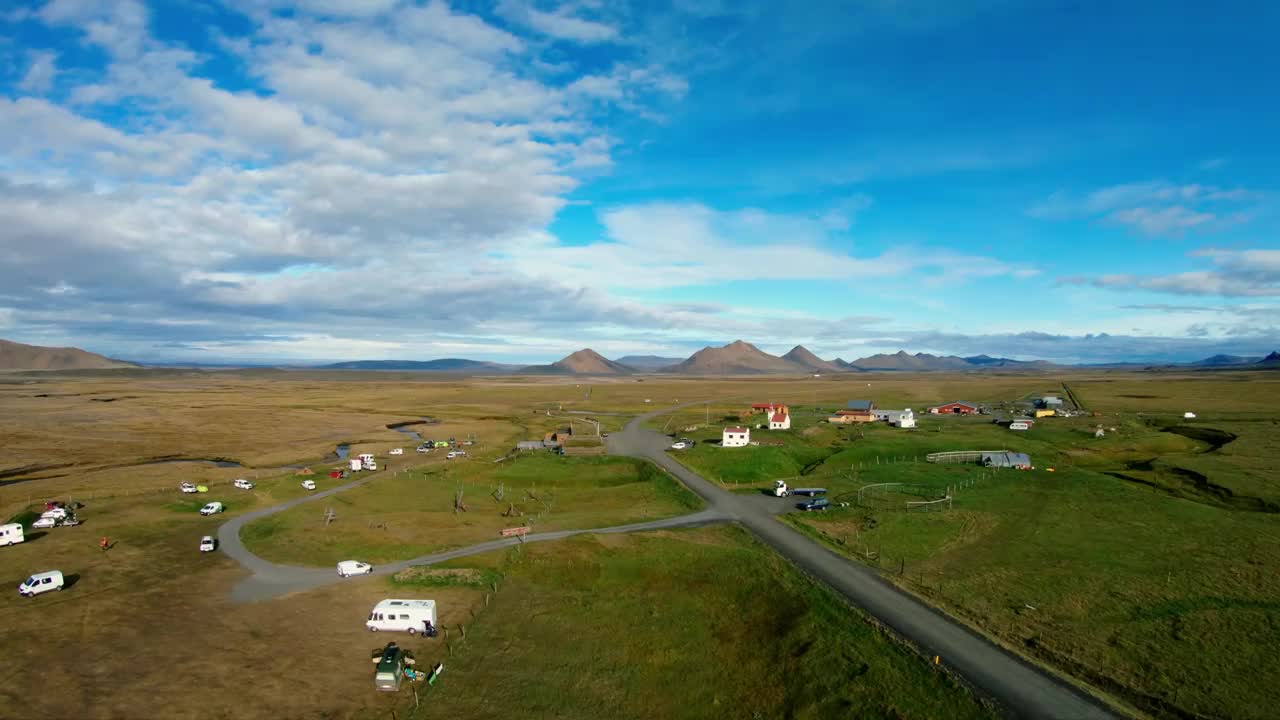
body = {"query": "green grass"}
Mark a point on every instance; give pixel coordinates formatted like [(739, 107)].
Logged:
[(411, 514), (689, 624), (1168, 600), (25, 517)]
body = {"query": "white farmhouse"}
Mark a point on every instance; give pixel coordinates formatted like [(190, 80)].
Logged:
[(735, 437), (897, 418), (780, 419)]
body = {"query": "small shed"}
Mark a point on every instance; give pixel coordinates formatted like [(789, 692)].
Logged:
[(1051, 401), (531, 445), (1006, 459)]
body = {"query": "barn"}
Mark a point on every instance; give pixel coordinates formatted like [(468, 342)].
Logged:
[(1005, 459), (959, 407)]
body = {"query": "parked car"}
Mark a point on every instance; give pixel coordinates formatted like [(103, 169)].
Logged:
[(424, 448), (391, 662), (678, 446), (44, 523), (814, 504), (396, 451), (308, 484), (468, 442), (347, 568), (71, 521), (211, 508), (42, 583), (57, 513), (452, 454), (188, 487), (243, 484), (208, 543)]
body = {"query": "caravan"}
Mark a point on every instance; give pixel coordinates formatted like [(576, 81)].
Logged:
[(366, 460), (402, 615), (11, 534)]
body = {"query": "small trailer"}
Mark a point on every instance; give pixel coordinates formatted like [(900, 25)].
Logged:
[(11, 534), (780, 489)]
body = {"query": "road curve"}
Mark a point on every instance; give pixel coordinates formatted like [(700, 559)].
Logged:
[(270, 579), (1019, 687)]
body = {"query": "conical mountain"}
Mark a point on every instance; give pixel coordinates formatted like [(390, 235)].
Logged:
[(802, 356), (736, 358), (582, 362)]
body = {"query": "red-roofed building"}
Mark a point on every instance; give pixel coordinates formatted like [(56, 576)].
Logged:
[(763, 408), (780, 419), (735, 437)]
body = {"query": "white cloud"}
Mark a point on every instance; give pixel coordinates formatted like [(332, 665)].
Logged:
[(560, 24), (1156, 207), (1237, 273), (41, 70)]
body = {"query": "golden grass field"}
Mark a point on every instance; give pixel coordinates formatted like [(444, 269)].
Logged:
[(147, 629)]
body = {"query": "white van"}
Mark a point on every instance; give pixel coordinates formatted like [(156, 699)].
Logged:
[(366, 459), (41, 583), (402, 615), (211, 508), (11, 534), (356, 465), (347, 568)]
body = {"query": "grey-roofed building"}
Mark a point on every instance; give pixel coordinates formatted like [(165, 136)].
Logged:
[(864, 405), (530, 445)]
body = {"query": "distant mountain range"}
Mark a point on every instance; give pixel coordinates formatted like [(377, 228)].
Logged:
[(17, 356), (478, 367), (737, 358)]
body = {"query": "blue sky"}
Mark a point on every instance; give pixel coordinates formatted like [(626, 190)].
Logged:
[(513, 180)]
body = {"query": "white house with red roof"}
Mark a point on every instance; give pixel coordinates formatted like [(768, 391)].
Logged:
[(780, 418), (735, 437)]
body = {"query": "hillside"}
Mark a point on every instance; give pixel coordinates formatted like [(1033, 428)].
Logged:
[(647, 363), (582, 362), (459, 365), (17, 356), (736, 358), (902, 360), (800, 355)]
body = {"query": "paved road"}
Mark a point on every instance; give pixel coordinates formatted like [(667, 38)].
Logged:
[(272, 579), (1019, 687)]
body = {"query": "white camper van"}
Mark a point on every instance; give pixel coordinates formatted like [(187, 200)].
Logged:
[(41, 583), (366, 459), (11, 534), (355, 464), (402, 615)]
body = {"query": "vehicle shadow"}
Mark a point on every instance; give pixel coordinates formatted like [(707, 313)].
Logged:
[(33, 536), (70, 579)]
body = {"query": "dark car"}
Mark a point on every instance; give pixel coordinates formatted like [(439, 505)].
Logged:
[(814, 504)]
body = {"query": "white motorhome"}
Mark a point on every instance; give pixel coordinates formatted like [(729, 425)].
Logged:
[(402, 615), (366, 459), (41, 583), (11, 534), (355, 464)]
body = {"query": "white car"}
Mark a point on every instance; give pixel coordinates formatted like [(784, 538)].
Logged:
[(347, 568), (208, 544), (188, 488), (678, 446), (43, 523), (41, 583), (55, 513), (243, 484), (396, 451), (455, 453), (424, 449), (308, 484), (211, 508)]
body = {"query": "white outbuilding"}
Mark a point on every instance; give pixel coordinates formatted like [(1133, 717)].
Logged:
[(780, 418), (735, 437)]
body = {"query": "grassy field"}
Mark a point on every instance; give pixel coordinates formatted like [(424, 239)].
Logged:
[(1146, 561), (687, 624), (411, 514)]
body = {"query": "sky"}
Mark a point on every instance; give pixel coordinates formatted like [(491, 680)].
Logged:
[(325, 180)]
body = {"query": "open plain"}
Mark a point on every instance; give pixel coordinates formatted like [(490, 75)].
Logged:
[(1143, 565)]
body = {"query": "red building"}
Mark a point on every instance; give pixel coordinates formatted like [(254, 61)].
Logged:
[(958, 407)]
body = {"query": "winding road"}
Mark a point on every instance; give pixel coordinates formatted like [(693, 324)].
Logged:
[(1020, 688)]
